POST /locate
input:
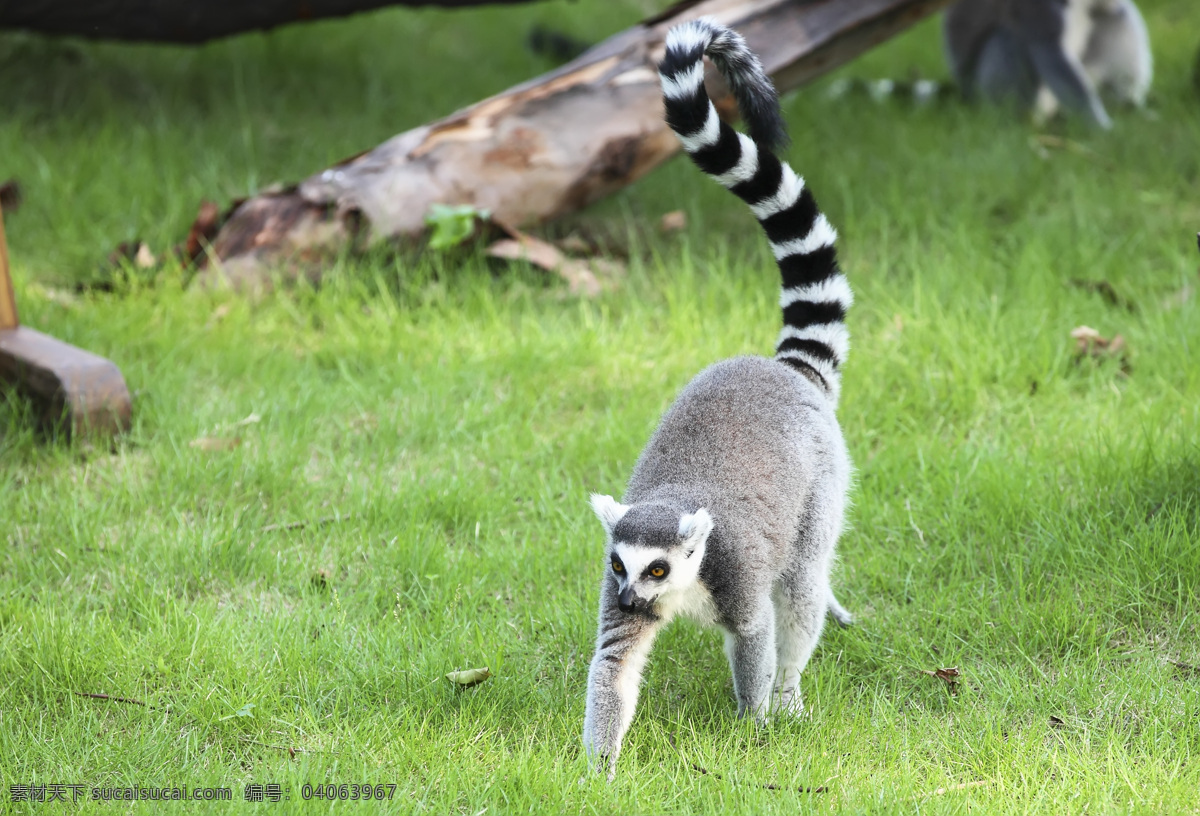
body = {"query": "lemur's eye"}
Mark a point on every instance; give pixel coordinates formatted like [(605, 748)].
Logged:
[(658, 572), (617, 567)]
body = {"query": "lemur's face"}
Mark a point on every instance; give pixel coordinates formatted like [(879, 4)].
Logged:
[(651, 554)]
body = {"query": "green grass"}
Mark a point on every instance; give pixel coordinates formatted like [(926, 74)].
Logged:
[(1025, 516)]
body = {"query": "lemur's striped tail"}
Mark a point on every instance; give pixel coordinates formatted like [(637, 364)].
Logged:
[(815, 294)]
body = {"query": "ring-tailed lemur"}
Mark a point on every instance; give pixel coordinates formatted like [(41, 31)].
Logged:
[(735, 506), (1048, 54), (1041, 54)]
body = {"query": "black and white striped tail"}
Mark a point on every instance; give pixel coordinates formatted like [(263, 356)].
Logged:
[(815, 294)]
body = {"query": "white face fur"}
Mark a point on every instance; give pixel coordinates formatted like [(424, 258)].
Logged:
[(654, 572)]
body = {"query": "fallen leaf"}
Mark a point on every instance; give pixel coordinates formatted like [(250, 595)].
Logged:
[(1042, 143), (1185, 668), (251, 419), (1085, 336), (144, 258), (949, 676), (579, 274), (576, 245), (469, 677), (10, 196), (1090, 343), (215, 443), (538, 253), (963, 786), (203, 230), (131, 252), (673, 221)]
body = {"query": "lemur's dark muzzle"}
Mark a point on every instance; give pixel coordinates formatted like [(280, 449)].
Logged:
[(626, 600)]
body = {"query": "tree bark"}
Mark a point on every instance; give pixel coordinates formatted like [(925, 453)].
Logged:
[(181, 21), (544, 148)]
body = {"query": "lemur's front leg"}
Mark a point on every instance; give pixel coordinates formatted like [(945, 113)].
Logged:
[(622, 646)]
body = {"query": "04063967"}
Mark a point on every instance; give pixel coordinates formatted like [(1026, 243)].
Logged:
[(352, 792)]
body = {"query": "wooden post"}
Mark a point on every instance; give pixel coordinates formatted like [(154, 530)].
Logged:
[(8, 301), (66, 382)]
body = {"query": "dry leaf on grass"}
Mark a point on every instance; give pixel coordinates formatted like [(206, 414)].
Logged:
[(949, 676), (963, 786), (215, 443), (251, 419), (575, 245), (469, 677), (202, 232), (132, 252), (10, 196), (1186, 668), (538, 253), (674, 221), (144, 258), (1043, 143), (1090, 343), (580, 274)]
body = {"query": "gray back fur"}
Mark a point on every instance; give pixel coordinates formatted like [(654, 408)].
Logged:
[(748, 439)]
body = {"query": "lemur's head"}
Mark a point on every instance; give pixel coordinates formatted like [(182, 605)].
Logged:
[(652, 549)]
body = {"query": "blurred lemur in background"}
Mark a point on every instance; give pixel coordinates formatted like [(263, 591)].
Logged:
[(1045, 56), (1050, 54)]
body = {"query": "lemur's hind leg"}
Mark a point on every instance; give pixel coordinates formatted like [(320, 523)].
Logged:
[(1118, 56), (1003, 72), (803, 595), (801, 601)]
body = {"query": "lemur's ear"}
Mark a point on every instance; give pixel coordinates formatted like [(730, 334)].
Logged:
[(694, 529), (608, 510)]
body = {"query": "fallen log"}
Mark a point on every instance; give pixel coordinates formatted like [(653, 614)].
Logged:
[(542, 149), (184, 21)]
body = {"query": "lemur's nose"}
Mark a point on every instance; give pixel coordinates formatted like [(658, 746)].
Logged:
[(626, 600)]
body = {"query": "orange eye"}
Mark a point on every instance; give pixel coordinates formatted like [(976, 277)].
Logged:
[(658, 572), (616, 565)]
